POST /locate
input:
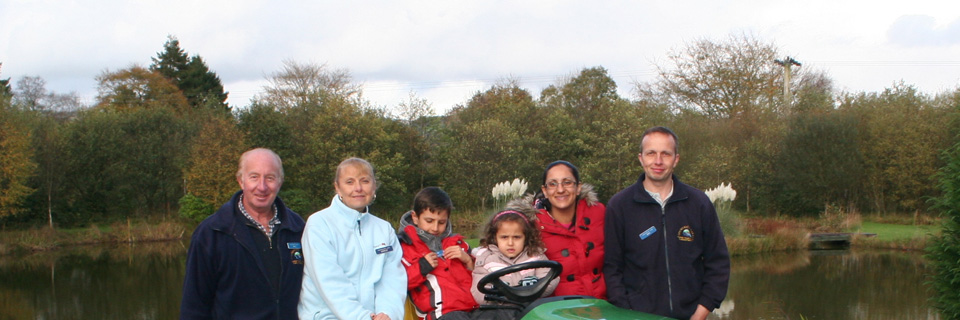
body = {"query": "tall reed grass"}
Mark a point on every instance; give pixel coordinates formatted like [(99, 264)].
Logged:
[(779, 240)]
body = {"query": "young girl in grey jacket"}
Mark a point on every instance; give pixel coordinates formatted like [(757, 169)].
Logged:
[(511, 237)]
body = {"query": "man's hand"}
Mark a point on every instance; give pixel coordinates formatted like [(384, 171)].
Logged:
[(380, 316), (701, 313)]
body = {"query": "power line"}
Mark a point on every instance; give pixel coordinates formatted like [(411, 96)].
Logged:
[(882, 63), (460, 83), (624, 78)]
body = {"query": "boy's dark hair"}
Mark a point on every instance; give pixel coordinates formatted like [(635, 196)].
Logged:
[(432, 198)]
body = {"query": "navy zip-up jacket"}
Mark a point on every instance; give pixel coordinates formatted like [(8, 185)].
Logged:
[(225, 276), (664, 262)]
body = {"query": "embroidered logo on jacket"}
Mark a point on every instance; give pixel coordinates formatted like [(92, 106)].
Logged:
[(296, 252), (685, 234)]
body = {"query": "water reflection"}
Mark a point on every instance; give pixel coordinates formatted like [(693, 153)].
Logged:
[(144, 281), (828, 285), (141, 281)]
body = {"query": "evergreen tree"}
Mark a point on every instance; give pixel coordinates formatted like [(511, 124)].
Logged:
[(5, 91), (944, 249), (201, 86), (171, 61)]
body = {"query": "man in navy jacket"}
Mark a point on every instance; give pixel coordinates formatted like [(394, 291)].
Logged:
[(665, 252), (245, 260)]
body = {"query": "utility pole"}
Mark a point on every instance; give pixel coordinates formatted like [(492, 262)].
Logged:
[(786, 64)]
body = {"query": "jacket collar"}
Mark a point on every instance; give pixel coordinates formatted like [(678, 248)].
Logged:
[(407, 221), (523, 256), (230, 221), (345, 215), (641, 195), (587, 193), (228, 218)]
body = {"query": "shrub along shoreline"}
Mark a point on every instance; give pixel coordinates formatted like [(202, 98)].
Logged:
[(45, 238), (758, 236)]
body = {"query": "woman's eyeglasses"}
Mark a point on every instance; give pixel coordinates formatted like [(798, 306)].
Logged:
[(566, 183)]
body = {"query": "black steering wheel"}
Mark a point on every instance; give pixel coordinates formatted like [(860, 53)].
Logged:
[(520, 293)]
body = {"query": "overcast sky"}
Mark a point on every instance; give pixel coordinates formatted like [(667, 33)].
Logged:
[(445, 51)]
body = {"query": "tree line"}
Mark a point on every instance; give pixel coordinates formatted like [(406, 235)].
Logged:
[(161, 140)]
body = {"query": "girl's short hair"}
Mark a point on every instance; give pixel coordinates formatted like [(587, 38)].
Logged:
[(532, 243)]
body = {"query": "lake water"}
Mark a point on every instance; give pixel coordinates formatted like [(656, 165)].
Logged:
[(143, 281), (828, 285)]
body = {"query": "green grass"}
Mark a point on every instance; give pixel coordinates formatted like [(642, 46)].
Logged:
[(896, 236), (898, 232), (889, 235), (43, 238), (473, 242)]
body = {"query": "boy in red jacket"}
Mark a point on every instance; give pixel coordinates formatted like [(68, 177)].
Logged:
[(437, 261)]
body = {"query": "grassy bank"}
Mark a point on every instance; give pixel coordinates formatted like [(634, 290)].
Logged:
[(896, 236), (759, 235), (41, 239), (756, 235)]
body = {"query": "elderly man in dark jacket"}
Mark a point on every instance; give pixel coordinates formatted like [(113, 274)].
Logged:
[(245, 261), (665, 252)]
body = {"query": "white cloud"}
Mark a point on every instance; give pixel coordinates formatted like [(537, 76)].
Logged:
[(923, 31), (240, 92), (447, 51)]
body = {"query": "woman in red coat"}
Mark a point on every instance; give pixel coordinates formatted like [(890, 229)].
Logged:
[(571, 224)]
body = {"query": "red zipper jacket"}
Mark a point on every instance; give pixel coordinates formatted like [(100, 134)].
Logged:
[(435, 291), (579, 249)]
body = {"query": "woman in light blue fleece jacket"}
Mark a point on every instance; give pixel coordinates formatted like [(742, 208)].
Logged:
[(352, 258)]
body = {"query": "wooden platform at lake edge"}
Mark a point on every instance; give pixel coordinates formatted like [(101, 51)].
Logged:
[(831, 241)]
